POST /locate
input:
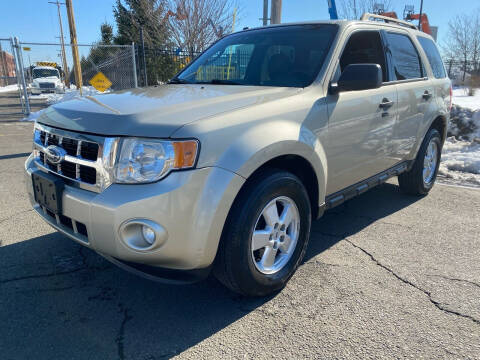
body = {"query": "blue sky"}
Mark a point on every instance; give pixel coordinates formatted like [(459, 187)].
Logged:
[(37, 21)]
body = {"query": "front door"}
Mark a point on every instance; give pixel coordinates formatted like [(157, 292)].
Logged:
[(360, 122)]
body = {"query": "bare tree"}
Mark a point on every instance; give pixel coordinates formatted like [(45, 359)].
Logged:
[(353, 9), (475, 41), (459, 40), (194, 24)]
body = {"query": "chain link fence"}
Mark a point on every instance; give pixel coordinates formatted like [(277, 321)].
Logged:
[(161, 64), (123, 67)]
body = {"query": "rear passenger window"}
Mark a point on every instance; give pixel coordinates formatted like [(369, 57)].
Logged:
[(406, 62), (433, 57)]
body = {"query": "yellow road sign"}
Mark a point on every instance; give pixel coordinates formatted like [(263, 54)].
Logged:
[(100, 82), (46, 63), (26, 48)]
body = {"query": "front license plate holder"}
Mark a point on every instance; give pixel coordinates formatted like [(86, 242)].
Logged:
[(48, 191)]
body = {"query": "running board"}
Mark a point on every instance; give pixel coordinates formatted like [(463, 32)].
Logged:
[(350, 192)]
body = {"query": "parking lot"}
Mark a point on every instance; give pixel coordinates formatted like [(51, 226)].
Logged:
[(386, 276)]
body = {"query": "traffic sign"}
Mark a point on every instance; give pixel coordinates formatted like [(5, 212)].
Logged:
[(100, 82), (26, 48)]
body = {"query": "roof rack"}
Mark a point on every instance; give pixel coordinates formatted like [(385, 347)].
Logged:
[(368, 16)]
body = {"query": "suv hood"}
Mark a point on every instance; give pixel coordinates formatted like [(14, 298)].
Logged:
[(156, 111)]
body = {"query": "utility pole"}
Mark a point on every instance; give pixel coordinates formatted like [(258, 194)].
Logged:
[(73, 43), (265, 13), (276, 14), (62, 42)]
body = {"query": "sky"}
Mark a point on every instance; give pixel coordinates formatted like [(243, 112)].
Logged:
[(37, 20)]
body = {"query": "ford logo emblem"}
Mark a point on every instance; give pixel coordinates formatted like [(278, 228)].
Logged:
[(55, 154)]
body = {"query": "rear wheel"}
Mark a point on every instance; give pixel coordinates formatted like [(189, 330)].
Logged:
[(421, 177), (266, 235)]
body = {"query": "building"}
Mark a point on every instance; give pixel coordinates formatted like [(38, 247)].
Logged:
[(7, 69)]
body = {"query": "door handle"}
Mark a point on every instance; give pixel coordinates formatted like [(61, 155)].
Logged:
[(426, 95), (385, 104)]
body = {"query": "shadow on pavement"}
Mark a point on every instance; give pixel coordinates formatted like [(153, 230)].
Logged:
[(60, 300)]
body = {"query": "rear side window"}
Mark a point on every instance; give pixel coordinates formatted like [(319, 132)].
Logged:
[(433, 57), (405, 59)]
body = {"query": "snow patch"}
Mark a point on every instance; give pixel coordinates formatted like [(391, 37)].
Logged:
[(461, 98), (8, 88), (461, 161)]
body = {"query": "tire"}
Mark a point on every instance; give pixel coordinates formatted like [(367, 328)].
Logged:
[(245, 270), (414, 181)]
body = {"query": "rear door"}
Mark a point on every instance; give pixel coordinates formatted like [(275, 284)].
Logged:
[(416, 103), (360, 122)]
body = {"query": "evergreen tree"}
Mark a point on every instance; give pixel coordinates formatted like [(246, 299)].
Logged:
[(107, 33)]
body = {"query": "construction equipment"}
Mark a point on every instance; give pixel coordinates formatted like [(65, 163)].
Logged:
[(409, 15), (332, 9)]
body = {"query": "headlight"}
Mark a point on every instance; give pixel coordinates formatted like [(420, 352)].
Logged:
[(147, 160)]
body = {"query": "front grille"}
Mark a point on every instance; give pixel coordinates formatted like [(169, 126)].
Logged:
[(47, 85), (81, 160)]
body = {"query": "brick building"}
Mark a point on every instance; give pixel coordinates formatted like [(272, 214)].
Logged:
[(7, 68)]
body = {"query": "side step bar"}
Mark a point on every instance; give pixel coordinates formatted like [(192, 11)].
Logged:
[(350, 192)]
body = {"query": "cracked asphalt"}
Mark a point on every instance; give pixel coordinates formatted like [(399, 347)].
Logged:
[(386, 276)]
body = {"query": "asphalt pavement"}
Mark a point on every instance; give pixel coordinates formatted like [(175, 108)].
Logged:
[(386, 276)]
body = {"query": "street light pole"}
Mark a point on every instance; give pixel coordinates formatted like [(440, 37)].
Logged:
[(265, 12), (62, 42)]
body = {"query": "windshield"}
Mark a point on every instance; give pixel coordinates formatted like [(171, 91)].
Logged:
[(279, 56), (40, 73)]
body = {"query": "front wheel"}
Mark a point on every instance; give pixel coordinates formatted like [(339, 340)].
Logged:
[(421, 177), (266, 235)]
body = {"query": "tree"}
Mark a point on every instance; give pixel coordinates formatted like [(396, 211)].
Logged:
[(107, 33), (459, 40), (195, 24), (353, 9), (137, 14), (475, 41)]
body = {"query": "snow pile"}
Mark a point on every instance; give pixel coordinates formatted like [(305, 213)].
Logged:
[(464, 122), (461, 161), (68, 95), (461, 152), (8, 88), (461, 98)]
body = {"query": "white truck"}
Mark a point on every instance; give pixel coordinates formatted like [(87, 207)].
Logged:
[(46, 79)]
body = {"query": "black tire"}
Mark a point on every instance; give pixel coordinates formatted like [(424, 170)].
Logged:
[(234, 265), (412, 182)]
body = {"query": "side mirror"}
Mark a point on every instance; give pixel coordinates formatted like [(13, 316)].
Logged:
[(358, 77)]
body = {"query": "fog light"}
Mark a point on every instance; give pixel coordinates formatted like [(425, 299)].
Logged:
[(142, 234), (148, 234)]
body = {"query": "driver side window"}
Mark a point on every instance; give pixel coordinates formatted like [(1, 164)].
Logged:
[(363, 47)]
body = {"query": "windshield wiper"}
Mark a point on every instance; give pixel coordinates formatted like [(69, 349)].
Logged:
[(178, 81), (219, 82)]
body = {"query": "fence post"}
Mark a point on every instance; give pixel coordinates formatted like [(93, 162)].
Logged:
[(17, 74), (143, 57), (134, 64), (22, 75)]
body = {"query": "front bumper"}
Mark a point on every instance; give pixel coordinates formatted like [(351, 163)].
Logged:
[(38, 91), (191, 206)]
